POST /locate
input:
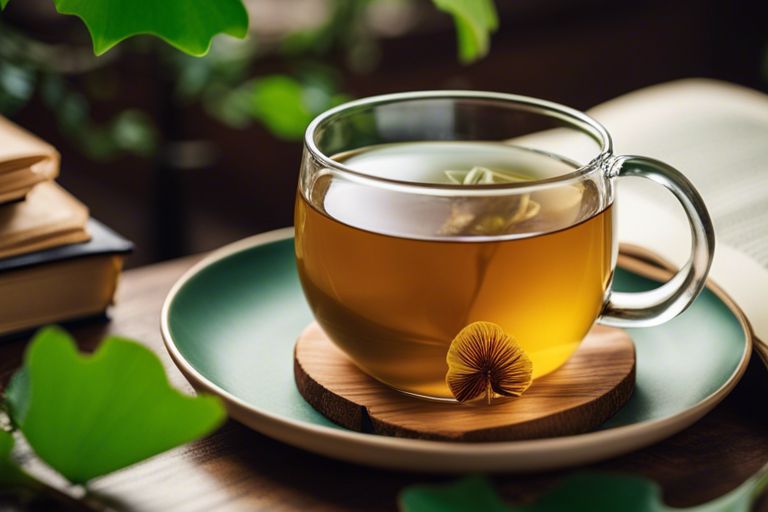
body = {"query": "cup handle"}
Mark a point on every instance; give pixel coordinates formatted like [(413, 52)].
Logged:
[(649, 308)]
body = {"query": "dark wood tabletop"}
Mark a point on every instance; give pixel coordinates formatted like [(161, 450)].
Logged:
[(239, 469)]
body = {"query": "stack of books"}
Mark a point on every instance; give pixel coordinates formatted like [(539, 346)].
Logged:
[(56, 263)]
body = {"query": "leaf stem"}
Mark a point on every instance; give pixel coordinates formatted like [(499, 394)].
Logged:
[(33, 490), (761, 483)]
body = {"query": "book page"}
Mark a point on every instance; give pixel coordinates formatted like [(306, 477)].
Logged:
[(25, 160), (717, 135), (49, 217)]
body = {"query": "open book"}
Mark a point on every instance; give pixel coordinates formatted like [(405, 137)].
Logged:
[(48, 217), (25, 161), (717, 135)]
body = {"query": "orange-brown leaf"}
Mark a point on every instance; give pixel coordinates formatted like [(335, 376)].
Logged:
[(483, 360)]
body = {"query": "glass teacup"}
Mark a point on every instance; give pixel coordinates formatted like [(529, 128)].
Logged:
[(419, 214)]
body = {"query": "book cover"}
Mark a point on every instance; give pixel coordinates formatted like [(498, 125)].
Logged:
[(103, 241)]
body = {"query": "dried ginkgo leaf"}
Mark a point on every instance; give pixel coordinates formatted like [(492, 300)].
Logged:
[(486, 215), (483, 360)]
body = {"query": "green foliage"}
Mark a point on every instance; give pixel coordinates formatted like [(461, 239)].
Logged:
[(17, 84), (222, 83), (278, 102), (86, 416), (189, 25), (584, 492), (588, 492), (286, 105), (130, 131), (475, 20), (468, 494), (344, 31)]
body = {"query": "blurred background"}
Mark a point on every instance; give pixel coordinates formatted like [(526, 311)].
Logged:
[(183, 154)]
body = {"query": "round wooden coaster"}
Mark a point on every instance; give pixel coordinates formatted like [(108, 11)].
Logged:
[(590, 388)]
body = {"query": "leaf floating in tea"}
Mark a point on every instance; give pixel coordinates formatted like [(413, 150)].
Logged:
[(483, 360), (480, 176), (488, 215)]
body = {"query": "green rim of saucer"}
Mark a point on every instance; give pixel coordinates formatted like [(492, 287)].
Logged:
[(234, 320)]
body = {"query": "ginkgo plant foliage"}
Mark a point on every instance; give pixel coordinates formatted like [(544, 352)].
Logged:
[(190, 25), (475, 21), (89, 415), (581, 492)]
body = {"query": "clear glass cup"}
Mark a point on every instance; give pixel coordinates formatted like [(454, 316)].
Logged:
[(394, 264)]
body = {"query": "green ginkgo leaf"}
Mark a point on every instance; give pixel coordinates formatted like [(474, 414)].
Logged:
[(475, 21), (582, 492), (468, 494), (189, 25), (86, 416)]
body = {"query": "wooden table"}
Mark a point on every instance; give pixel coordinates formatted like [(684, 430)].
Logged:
[(238, 469)]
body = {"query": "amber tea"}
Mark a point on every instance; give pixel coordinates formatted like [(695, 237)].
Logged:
[(392, 278)]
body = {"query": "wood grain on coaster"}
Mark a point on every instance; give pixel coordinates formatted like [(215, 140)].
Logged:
[(587, 390)]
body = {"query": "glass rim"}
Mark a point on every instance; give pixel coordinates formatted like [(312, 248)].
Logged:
[(576, 118)]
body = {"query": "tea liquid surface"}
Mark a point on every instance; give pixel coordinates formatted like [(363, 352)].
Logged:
[(392, 278)]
